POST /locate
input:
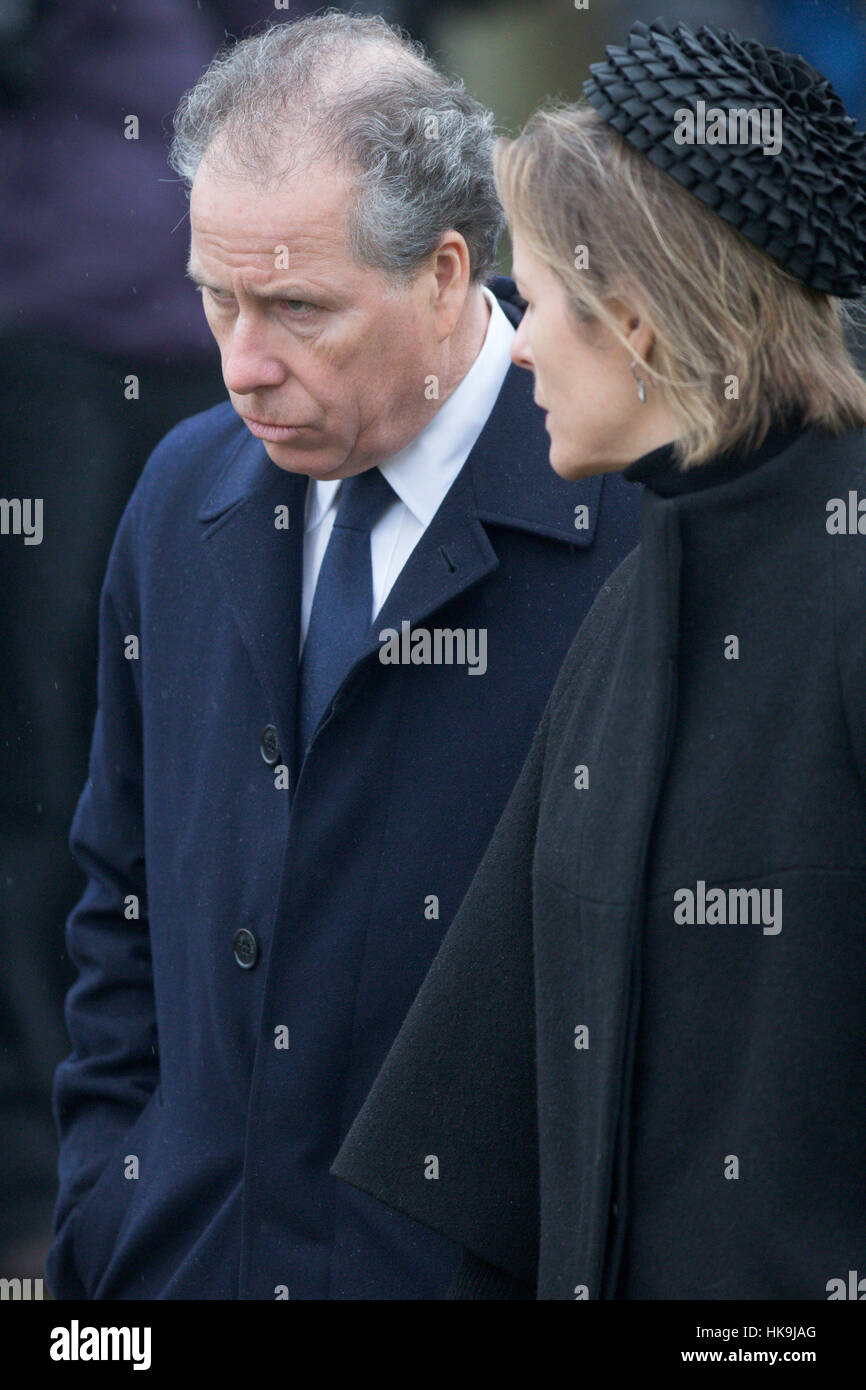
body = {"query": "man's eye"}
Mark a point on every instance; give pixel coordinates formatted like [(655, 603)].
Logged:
[(296, 305), (218, 296)]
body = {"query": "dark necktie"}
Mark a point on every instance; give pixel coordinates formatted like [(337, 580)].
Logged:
[(340, 617)]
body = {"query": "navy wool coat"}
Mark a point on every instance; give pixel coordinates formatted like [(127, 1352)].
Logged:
[(253, 932)]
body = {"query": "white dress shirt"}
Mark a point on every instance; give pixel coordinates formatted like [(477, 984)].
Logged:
[(420, 474)]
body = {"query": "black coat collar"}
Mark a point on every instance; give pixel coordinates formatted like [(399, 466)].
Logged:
[(660, 471)]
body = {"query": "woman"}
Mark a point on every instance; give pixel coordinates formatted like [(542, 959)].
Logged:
[(636, 1067)]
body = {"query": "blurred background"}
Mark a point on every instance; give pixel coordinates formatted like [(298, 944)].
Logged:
[(103, 348)]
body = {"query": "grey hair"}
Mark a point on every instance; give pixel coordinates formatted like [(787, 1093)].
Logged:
[(359, 91)]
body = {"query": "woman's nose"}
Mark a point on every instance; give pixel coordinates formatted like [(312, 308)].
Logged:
[(521, 354)]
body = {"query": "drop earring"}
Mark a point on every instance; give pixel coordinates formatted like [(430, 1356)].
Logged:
[(641, 388)]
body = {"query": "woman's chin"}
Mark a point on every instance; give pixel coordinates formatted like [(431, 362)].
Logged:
[(570, 467), (562, 461)]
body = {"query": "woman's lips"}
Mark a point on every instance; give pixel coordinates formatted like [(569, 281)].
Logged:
[(273, 433)]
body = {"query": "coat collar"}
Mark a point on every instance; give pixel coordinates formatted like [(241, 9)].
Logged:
[(659, 470)]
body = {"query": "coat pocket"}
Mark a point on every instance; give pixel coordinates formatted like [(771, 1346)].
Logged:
[(101, 1212)]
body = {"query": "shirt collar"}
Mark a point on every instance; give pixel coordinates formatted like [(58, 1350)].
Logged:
[(423, 471)]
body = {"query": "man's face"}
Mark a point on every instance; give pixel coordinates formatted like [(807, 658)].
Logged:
[(323, 359)]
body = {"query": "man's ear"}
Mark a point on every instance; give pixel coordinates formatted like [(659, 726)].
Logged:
[(450, 268)]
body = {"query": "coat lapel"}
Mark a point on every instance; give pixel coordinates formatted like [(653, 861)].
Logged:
[(259, 566), (507, 481)]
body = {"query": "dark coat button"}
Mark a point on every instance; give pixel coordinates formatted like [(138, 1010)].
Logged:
[(270, 745), (246, 949)]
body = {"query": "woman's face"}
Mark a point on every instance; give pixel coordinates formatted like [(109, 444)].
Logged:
[(583, 377)]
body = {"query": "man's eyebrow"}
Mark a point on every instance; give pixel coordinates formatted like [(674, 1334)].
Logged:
[(203, 283), (275, 292)]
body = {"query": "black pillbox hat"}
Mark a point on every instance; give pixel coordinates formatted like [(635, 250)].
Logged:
[(804, 206)]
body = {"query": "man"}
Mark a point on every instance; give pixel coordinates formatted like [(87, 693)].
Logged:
[(287, 803)]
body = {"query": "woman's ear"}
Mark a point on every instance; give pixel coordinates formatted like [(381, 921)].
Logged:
[(640, 334), (634, 324)]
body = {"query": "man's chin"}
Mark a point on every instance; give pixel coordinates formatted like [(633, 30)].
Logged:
[(313, 461)]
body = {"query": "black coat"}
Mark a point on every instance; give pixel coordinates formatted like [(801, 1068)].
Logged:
[(621, 1102)]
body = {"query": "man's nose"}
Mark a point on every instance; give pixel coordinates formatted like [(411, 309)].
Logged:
[(521, 353), (249, 360)]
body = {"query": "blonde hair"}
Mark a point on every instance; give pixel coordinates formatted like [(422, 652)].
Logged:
[(718, 305)]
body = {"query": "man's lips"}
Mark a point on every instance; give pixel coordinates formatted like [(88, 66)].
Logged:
[(264, 429)]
